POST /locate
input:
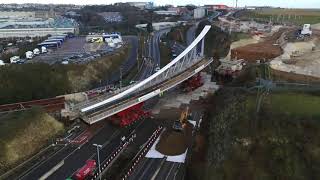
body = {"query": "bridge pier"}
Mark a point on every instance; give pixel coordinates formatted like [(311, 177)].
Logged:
[(202, 48)]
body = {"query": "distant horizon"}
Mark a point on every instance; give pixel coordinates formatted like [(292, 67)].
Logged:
[(294, 4)]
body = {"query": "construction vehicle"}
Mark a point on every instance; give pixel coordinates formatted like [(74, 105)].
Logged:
[(86, 171), (130, 115), (230, 68), (306, 30), (96, 40), (183, 120), (192, 83)]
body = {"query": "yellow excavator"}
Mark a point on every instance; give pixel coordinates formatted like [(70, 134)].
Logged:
[(184, 115), (180, 125)]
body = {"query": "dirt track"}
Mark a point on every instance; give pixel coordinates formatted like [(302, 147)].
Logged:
[(266, 50)]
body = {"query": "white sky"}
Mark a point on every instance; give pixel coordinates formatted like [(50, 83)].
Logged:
[(280, 3)]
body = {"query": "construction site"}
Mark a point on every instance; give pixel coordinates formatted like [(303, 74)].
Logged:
[(207, 113)]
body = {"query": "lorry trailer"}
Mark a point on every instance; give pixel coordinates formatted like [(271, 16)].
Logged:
[(86, 171)]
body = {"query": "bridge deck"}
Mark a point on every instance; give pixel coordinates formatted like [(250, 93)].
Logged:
[(134, 99)]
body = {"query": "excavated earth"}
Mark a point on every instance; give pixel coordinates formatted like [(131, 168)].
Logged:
[(173, 143), (265, 50)]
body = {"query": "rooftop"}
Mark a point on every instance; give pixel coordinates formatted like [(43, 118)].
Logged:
[(58, 22)]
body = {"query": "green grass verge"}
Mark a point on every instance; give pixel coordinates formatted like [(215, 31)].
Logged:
[(165, 54), (236, 36), (298, 17), (292, 104), (280, 142)]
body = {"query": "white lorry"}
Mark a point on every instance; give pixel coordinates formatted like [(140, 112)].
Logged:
[(2, 63), (44, 49), (29, 54), (36, 51), (14, 59)]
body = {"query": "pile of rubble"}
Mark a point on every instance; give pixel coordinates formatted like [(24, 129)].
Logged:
[(265, 50)]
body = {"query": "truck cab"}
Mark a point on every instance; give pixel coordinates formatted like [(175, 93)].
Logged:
[(306, 30)]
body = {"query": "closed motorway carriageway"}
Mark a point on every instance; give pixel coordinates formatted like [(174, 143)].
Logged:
[(75, 156), (143, 131), (157, 169)]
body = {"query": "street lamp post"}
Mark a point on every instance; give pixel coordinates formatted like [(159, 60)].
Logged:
[(120, 77), (98, 146)]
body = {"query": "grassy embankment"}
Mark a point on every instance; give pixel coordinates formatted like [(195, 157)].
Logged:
[(26, 82), (24, 133), (179, 34), (295, 16), (217, 43), (279, 142), (237, 36), (165, 54)]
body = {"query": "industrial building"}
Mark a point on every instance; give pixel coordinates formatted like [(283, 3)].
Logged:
[(23, 24), (216, 7), (199, 13), (159, 25), (172, 13), (142, 5), (5, 15)]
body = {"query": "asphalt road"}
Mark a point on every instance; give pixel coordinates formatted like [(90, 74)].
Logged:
[(127, 65), (74, 156), (146, 169), (160, 169), (191, 33), (169, 171), (154, 48), (143, 131)]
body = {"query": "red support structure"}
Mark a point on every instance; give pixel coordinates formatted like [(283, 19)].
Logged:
[(192, 83), (130, 115)]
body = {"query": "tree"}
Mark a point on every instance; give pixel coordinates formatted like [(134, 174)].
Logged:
[(217, 42), (149, 27)]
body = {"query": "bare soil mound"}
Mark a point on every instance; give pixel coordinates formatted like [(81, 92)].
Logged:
[(265, 50), (173, 142)]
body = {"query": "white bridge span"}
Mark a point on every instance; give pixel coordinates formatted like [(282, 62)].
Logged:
[(185, 65)]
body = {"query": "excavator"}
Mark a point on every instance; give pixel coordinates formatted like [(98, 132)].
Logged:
[(183, 120)]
